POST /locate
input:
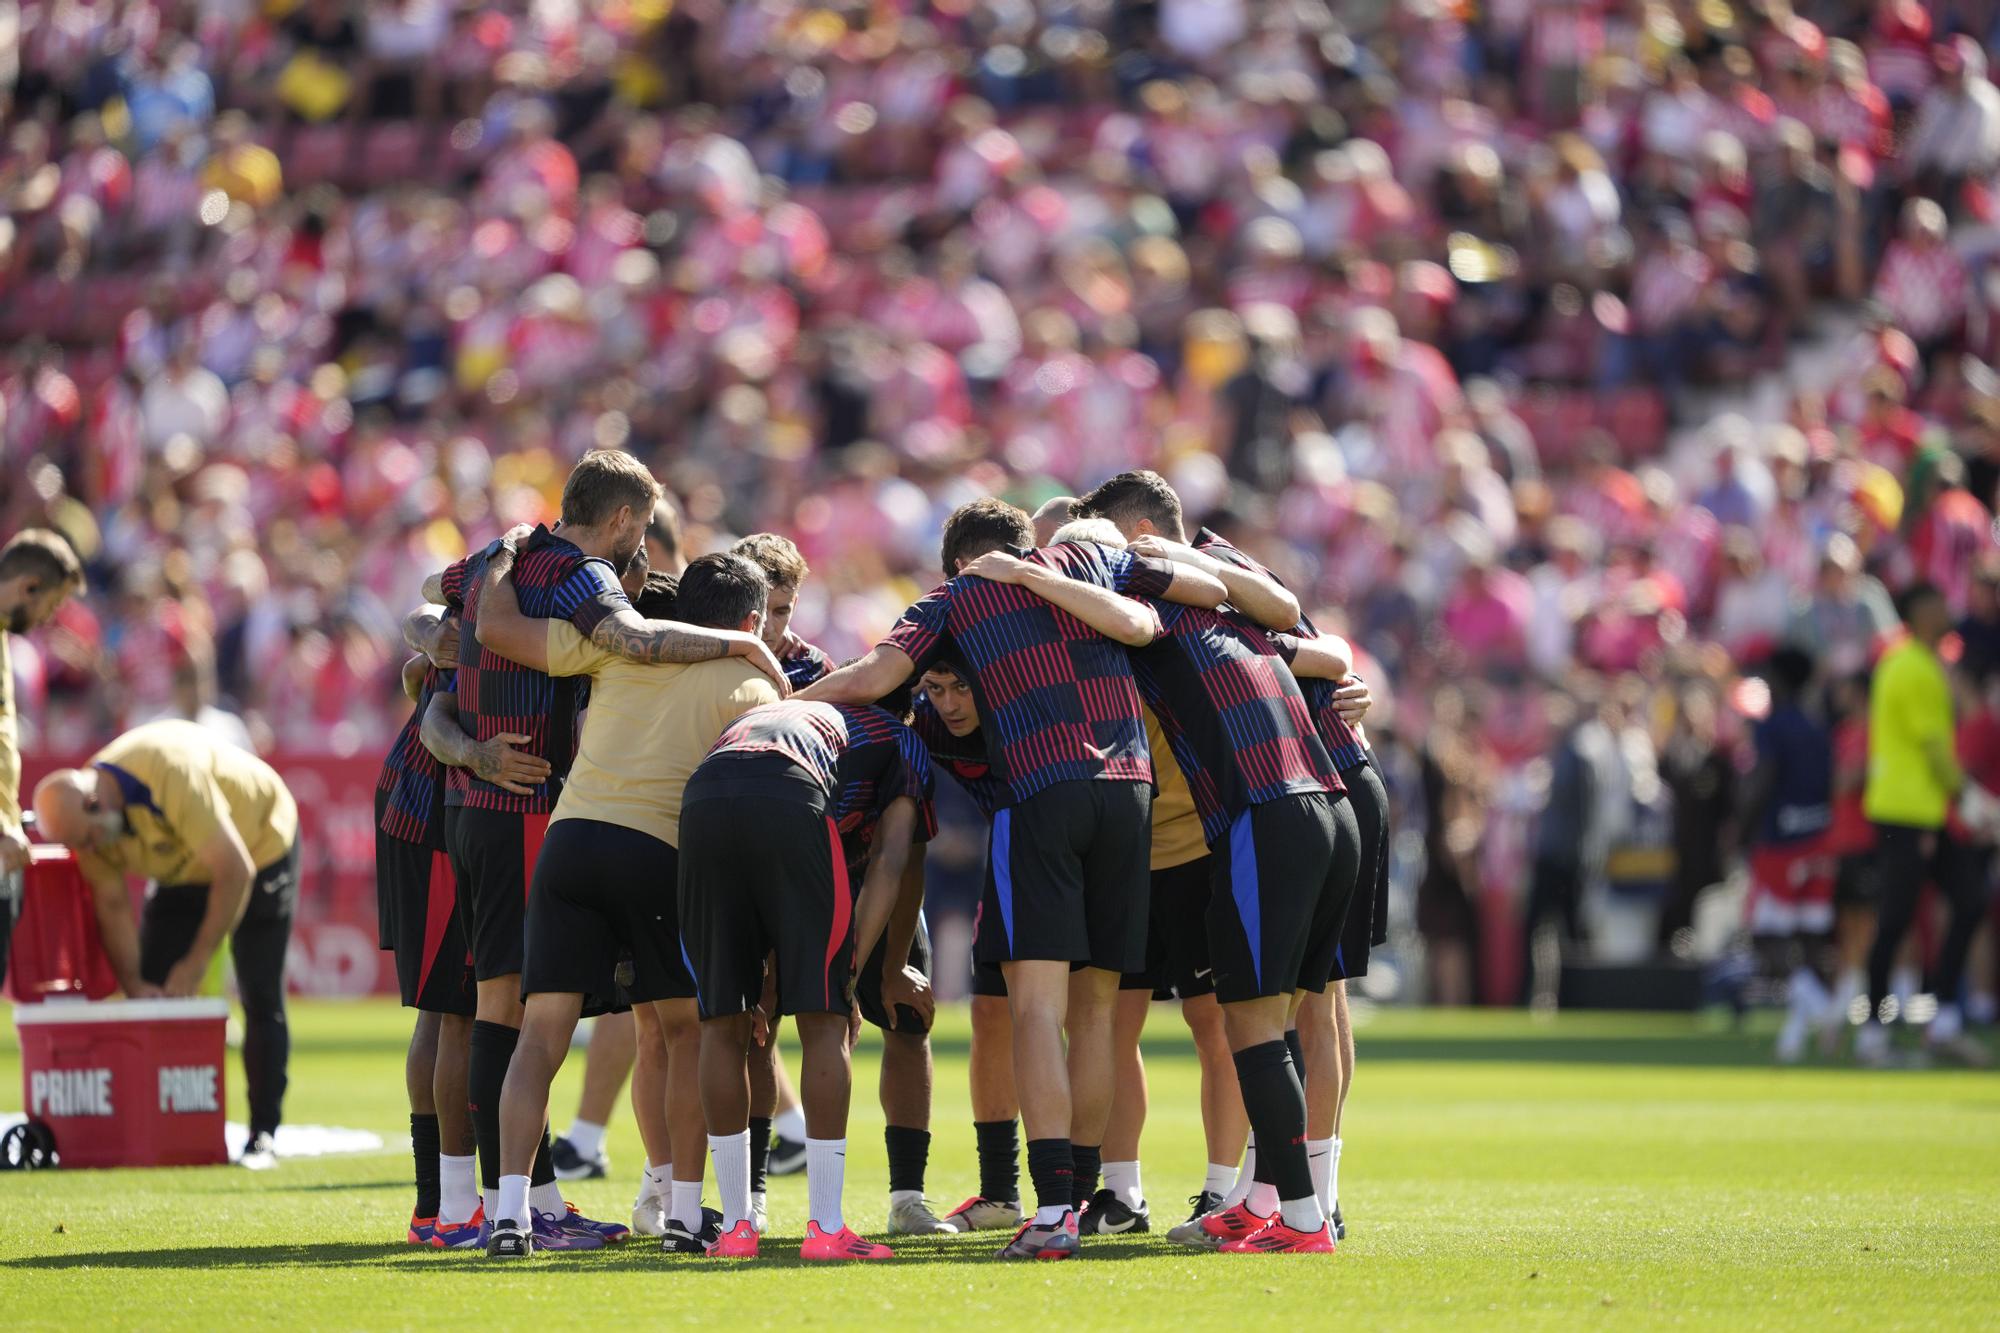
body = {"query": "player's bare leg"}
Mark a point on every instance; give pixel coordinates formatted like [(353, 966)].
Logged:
[(419, 1074), (458, 1176), (649, 1113), (1223, 1123), (725, 1108), (826, 1089), (1282, 1210), (768, 1087), (1121, 1206), (996, 1108), (687, 1132), (579, 1153), (1038, 995), (905, 1090), (548, 1021), (1092, 1030), (1326, 1080)]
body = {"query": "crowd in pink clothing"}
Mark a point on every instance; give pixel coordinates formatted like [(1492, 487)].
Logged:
[(1407, 295)]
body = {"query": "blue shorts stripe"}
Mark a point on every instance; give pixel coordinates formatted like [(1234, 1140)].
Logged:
[(1243, 886), (692, 973), (1003, 869)]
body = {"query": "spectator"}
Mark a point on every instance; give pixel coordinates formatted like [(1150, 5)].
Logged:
[(185, 400), (1957, 134), (1922, 282)]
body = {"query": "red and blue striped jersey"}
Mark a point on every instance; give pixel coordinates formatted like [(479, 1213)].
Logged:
[(859, 756), (806, 666), (1232, 714), (554, 581), (412, 778), (963, 757), (1056, 698), (867, 786), (1343, 743)]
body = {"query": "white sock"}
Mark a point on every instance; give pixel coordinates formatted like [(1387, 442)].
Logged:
[(458, 1189), (1319, 1156), (790, 1124), (1807, 995), (548, 1199), (586, 1137), (1050, 1214), (1903, 983), (731, 1153), (826, 1177), (1303, 1214), (512, 1205), (1948, 1024), (686, 1212), (1122, 1179), (656, 1182), (1333, 1179), (1262, 1199), (1221, 1176), (899, 1197), (1246, 1175)]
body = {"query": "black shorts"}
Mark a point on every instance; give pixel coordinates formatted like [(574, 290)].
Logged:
[(1858, 881), (604, 894), (868, 986), (1282, 880), (493, 855), (1177, 934), (1368, 914), (763, 871), (418, 899), (1066, 878), (987, 978)]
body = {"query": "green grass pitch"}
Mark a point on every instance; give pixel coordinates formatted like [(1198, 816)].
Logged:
[(1593, 1170)]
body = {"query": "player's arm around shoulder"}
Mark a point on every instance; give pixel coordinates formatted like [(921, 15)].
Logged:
[(1112, 614), (865, 679)]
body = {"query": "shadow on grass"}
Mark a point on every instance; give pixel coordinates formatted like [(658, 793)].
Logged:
[(631, 1257)]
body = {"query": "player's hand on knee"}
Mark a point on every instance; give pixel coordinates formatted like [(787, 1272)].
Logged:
[(906, 987)]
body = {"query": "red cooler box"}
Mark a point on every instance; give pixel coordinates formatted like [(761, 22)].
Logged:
[(126, 1082), (56, 950)]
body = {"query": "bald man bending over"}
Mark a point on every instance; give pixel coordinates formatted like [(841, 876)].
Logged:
[(215, 830)]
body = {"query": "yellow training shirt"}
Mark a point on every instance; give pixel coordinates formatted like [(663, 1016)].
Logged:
[(181, 781), (646, 730)]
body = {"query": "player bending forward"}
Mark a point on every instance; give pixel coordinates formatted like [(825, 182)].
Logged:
[(763, 873)]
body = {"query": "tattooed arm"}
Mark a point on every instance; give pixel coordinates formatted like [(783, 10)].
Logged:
[(636, 639), (495, 761)]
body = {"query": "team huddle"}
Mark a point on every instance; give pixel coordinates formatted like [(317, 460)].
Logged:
[(622, 789)]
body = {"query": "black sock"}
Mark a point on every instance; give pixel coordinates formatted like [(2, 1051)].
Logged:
[(1276, 1105), (1087, 1162), (544, 1170), (424, 1152), (492, 1051), (999, 1160), (909, 1155), (1053, 1170), (1298, 1050), (760, 1151)]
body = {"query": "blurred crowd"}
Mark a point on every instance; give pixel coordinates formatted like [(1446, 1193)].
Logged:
[(1408, 297)]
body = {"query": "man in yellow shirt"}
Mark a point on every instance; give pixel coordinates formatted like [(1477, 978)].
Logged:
[(1913, 774), (606, 878), (38, 571), (215, 830)]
